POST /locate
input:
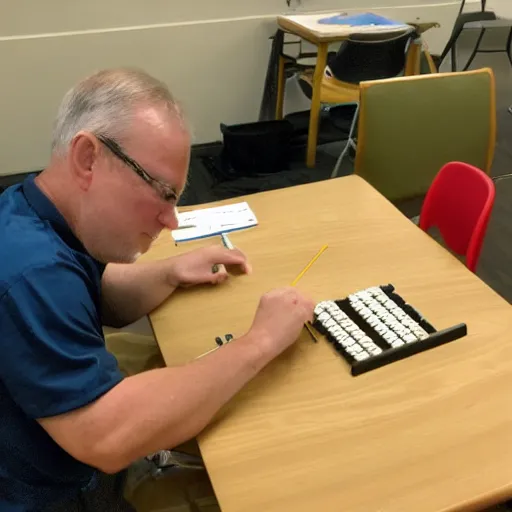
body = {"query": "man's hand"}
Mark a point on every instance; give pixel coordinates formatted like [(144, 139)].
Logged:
[(280, 316), (130, 291), (197, 267)]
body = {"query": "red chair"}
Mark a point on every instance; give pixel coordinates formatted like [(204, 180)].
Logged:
[(459, 203)]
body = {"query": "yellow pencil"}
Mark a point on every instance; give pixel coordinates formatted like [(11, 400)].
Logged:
[(309, 265), (307, 325)]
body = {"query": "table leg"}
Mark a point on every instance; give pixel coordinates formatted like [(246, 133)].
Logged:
[(314, 115), (280, 88)]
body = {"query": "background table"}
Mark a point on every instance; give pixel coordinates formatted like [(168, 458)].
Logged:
[(432, 432), (307, 27)]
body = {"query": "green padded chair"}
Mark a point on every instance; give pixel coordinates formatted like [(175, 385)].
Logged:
[(409, 127)]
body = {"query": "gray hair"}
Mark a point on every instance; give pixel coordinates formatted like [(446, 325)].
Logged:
[(105, 103)]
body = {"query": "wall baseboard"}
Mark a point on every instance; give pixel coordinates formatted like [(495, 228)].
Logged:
[(198, 150)]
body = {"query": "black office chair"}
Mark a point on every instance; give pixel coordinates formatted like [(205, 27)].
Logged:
[(371, 56), (364, 56), (483, 20)]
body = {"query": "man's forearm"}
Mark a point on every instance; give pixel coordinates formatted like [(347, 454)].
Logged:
[(131, 291), (158, 409), (134, 290)]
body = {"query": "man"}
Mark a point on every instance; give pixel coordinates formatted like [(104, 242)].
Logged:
[(68, 239)]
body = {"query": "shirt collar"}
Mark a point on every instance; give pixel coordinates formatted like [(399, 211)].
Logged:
[(48, 212)]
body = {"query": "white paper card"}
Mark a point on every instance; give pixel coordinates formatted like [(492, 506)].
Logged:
[(214, 221)]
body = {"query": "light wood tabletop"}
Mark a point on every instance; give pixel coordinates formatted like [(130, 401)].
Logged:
[(432, 432)]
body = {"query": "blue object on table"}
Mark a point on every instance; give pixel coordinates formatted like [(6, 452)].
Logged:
[(359, 20)]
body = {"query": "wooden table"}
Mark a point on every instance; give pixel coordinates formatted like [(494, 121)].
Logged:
[(430, 433), (307, 27)]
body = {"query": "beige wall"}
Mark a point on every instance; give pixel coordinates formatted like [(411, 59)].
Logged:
[(501, 7), (212, 54)]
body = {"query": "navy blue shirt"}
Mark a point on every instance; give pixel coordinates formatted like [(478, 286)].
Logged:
[(52, 350)]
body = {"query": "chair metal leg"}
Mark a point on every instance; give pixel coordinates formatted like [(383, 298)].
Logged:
[(450, 47), (334, 173), (350, 143), (509, 46), (166, 460), (454, 56), (475, 50)]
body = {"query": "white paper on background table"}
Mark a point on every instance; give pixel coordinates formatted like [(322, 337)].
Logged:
[(312, 22), (214, 221)]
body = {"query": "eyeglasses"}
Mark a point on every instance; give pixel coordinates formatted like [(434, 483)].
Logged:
[(165, 191)]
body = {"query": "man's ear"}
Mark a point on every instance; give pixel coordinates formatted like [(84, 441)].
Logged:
[(84, 152)]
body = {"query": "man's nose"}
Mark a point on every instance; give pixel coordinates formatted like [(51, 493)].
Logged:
[(169, 217)]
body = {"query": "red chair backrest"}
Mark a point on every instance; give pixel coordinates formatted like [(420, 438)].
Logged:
[(459, 203)]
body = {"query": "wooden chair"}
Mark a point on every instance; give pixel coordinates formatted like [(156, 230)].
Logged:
[(366, 56), (409, 127)]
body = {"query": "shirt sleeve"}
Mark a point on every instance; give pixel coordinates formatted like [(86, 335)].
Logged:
[(52, 350)]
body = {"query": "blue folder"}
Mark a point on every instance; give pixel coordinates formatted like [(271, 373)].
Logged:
[(359, 20)]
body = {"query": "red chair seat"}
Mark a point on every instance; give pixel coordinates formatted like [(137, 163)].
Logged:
[(459, 203)]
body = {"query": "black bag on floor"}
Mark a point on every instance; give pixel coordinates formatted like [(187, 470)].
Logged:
[(256, 148)]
